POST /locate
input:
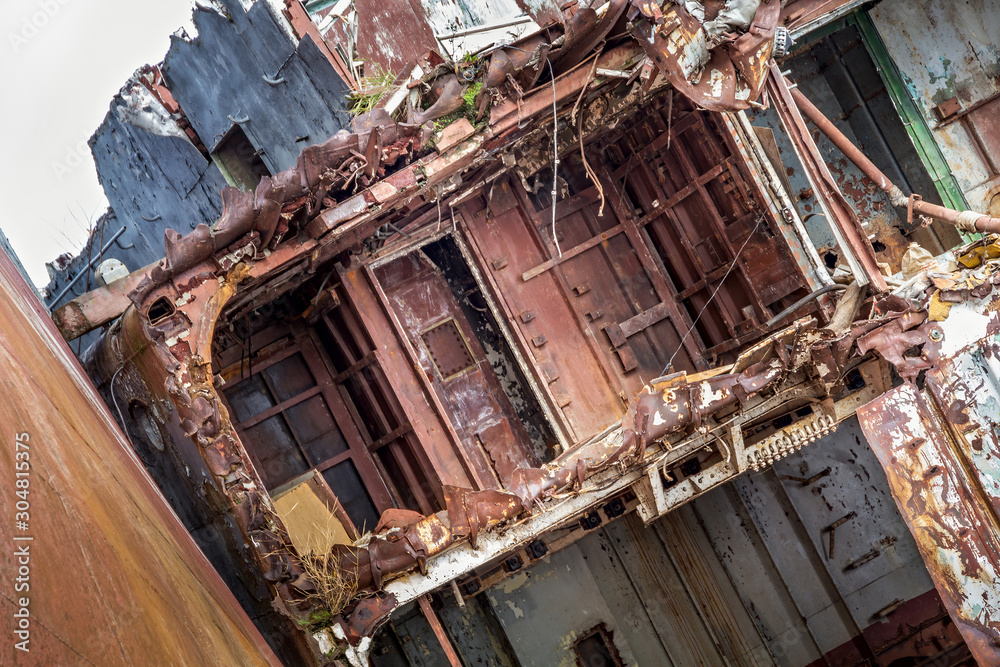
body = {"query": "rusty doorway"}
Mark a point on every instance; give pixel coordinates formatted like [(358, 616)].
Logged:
[(456, 363), (685, 264), (496, 341)]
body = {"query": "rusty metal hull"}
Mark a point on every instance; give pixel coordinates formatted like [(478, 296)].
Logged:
[(946, 509), (161, 348), (112, 575), (639, 285)]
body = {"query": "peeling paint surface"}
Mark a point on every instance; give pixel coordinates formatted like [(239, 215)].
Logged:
[(566, 613), (964, 39), (945, 510)]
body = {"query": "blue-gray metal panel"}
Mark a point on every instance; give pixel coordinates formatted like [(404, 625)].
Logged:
[(476, 633), (417, 639), (545, 609), (945, 50), (266, 41), (648, 634), (856, 483), (787, 541), (709, 587), (217, 76), (744, 555)]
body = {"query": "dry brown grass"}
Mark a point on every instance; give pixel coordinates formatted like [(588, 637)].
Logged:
[(335, 587)]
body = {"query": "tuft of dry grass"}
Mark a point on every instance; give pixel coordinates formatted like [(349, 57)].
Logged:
[(372, 88), (334, 586)]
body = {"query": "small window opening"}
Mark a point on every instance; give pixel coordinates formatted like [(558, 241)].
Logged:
[(160, 310), (144, 433), (595, 648), (240, 163)]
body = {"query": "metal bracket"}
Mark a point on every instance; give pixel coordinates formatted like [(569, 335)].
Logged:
[(832, 528), (909, 207)]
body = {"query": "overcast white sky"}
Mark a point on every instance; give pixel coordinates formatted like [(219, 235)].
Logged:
[(61, 61)]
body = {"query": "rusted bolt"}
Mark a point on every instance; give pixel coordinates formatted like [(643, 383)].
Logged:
[(832, 529), (590, 521), (936, 335), (615, 508), (932, 471), (806, 481), (513, 564), (538, 548)]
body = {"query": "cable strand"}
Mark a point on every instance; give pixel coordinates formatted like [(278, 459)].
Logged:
[(736, 259)]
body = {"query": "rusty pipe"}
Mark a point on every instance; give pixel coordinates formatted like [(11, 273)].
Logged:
[(826, 289), (852, 152), (969, 221)]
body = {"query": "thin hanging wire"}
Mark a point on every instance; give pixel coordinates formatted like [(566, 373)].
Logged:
[(555, 144), (555, 155), (736, 259)]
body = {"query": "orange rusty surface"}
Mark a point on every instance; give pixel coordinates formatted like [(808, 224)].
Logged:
[(725, 77), (797, 13), (114, 578), (945, 509), (303, 26)]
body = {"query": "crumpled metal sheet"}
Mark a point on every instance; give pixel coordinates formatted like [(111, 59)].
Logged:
[(670, 406), (901, 332), (726, 76)]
